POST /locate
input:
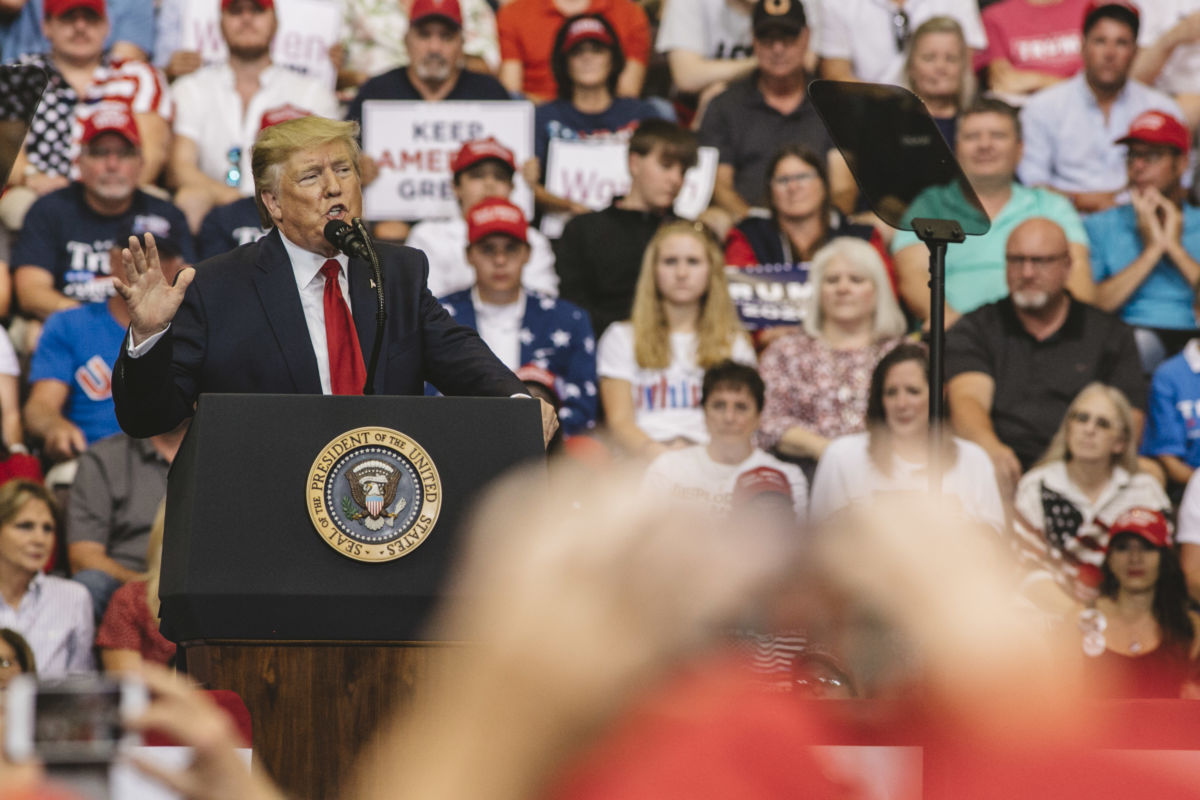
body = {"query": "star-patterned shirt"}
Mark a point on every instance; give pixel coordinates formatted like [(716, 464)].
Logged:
[(553, 334), (53, 141)]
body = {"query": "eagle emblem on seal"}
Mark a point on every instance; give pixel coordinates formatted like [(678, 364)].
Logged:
[(373, 487)]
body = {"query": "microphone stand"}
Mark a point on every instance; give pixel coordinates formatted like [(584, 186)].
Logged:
[(380, 309)]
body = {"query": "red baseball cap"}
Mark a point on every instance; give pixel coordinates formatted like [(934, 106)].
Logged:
[(263, 4), (1147, 523), (283, 113), (1158, 127), (760, 480), (448, 10), (56, 8), (110, 118), (496, 215), (472, 152), (587, 29)]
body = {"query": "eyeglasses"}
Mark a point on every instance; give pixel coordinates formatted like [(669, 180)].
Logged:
[(233, 175), (1150, 156), (900, 29), (103, 153), (784, 181), (1016, 260), (1083, 418)]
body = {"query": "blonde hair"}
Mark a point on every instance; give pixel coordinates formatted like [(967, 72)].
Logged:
[(1127, 458), (888, 319), (276, 144), (966, 78), (154, 559), (717, 325)]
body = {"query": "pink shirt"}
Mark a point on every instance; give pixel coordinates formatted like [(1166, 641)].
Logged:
[(1044, 38)]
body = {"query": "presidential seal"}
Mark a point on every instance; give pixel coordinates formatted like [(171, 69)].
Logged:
[(374, 494)]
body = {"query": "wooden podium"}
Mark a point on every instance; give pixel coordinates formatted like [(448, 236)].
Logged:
[(321, 646)]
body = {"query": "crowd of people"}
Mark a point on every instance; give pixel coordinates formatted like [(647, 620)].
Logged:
[(766, 352)]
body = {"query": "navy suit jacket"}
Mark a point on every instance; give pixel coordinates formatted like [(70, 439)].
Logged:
[(241, 328)]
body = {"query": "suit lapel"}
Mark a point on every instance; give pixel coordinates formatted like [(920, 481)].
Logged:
[(276, 286), (363, 303)]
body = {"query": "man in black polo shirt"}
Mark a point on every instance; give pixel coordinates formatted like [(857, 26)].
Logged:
[(435, 67), (769, 108), (1013, 366)]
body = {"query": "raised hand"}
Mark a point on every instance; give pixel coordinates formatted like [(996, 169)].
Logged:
[(152, 298)]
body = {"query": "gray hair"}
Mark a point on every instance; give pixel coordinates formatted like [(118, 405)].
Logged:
[(888, 319)]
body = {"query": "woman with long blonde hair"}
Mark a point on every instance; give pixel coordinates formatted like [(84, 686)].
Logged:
[(651, 367), (1067, 502)]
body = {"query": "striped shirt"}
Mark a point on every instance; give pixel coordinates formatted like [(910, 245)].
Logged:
[(55, 617)]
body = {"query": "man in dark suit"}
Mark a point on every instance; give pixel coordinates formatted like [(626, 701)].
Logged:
[(263, 317)]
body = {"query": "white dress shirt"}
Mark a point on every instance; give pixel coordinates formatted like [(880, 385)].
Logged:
[(306, 268)]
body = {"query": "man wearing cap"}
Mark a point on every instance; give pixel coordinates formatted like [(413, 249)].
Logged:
[(70, 403), (748, 121), (732, 398), (62, 256), (220, 109), (434, 41), (523, 327), (1071, 127), (483, 168), (79, 75), (1144, 253), (289, 314)]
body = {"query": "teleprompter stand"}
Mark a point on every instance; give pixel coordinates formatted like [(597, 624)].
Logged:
[(911, 180)]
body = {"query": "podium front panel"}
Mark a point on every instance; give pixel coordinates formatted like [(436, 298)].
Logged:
[(242, 557)]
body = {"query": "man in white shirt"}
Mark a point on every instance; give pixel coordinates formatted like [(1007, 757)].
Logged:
[(732, 399), (220, 109), (483, 168)]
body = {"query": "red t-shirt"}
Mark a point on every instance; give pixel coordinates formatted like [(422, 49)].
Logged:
[(1043, 38), (128, 625), (527, 29)]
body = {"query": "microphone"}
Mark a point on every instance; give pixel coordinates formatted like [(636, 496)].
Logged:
[(346, 239)]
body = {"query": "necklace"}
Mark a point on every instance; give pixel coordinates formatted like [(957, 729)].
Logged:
[(1135, 647)]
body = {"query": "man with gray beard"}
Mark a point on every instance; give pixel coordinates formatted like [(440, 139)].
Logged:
[(435, 66), (1013, 366)]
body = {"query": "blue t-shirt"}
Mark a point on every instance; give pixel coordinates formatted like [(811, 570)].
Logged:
[(1164, 298), (975, 274), (229, 226), (558, 119), (64, 235), (79, 347), (1173, 418)]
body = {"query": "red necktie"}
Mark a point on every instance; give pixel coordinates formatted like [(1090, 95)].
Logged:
[(346, 371)]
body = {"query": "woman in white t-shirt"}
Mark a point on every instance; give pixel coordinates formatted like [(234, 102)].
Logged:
[(893, 455), (651, 367)]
